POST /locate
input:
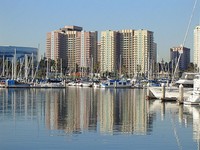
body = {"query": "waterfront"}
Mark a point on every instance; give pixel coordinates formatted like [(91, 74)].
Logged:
[(87, 118)]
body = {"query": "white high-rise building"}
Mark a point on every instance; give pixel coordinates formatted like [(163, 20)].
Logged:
[(197, 47)]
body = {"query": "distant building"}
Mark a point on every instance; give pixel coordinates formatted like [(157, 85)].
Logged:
[(127, 51), (144, 52), (99, 52), (109, 51), (130, 51), (86, 49), (56, 46), (184, 61), (197, 47), (9, 52), (76, 48)]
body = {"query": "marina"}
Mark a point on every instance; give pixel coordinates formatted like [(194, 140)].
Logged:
[(95, 118), (106, 80)]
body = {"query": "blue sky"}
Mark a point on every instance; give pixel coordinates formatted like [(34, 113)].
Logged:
[(26, 22)]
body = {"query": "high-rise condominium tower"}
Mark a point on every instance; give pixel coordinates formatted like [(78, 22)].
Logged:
[(77, 48), (197, 47), (144, 52), (55, 46), (86, 49), (109, 51), (127, 52)]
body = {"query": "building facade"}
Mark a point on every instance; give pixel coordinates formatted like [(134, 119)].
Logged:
[(197, 47), (87, 49), (144, 52), (18, 58), (127, 52), (180, 55), (109, 51), (56, 46), (76, 48), (9, 52)]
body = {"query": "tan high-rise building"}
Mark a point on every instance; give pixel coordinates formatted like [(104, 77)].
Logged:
[(55, 46), (127, 52), (98, 56), (86, 52), (144, 52), (82, 49), (71, 47), (109, 51), (138, 52), (76, 47)]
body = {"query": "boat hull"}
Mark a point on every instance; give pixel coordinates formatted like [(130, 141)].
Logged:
[(170, 92)]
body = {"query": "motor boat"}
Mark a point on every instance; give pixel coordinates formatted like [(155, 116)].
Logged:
[(194, 98)]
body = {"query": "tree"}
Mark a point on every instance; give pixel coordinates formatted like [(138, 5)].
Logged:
[(191, 68)]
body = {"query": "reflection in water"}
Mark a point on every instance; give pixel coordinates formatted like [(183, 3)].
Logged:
[(195, 116), (123, 110), (107, 111), (77, 110)]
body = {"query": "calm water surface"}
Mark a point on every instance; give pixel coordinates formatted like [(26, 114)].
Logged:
[(86, 118)]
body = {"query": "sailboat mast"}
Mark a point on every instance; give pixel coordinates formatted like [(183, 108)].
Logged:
[(26, 67), (92, 68), (12, 77), (3, 66), (47, 72), (61, 68), (15, 64), (32, 73), (7, 67), (120, 65)]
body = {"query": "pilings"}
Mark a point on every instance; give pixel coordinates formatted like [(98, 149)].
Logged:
[(181, 96), (163, 91), (167, 92)]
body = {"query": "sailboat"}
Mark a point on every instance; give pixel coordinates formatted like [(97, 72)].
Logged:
[(13, 82), (49, 83)]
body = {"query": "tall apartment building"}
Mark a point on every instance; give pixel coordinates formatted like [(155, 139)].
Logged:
[(86, 49), (99, 52), (197, 47), (184, 61), (109, 51), (144, 52), (76, 47), (127, 51), (55, 46)]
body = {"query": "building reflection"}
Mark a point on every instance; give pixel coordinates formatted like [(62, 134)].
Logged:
[(21, 103), (75, 110), (124, 111), (194, 120), (108, 111)]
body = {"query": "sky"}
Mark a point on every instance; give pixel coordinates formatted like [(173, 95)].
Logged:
[(26, 22)]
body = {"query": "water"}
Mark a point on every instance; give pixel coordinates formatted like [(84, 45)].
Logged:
[(86, 118)]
